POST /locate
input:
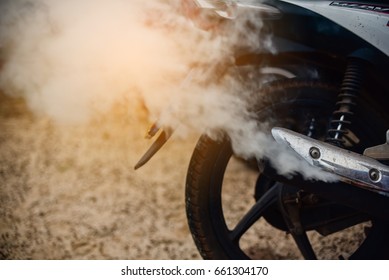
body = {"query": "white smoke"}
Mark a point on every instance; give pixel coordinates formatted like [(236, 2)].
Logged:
[(72, 59)]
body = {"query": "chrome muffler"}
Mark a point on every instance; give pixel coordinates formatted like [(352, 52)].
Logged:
[(352, 168)]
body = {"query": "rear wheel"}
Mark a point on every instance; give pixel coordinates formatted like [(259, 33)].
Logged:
[(227, 223)]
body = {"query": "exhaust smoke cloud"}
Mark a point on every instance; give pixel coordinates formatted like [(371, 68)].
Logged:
[(74, 59)]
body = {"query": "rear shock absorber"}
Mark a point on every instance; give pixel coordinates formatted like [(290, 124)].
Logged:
[(350, 89)]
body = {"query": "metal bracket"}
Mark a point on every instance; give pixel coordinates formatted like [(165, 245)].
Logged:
[(379, 152)]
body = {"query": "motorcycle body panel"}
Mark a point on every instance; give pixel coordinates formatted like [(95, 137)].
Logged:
[(368, 21)]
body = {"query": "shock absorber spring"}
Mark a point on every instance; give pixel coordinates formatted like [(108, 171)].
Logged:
[(347, 100)]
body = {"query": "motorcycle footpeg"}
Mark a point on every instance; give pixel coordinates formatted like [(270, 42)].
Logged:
[(352, 168)]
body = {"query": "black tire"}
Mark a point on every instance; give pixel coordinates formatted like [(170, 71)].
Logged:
[(288, 103)]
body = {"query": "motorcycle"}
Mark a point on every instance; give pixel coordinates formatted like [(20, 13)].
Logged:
[(325, 99)]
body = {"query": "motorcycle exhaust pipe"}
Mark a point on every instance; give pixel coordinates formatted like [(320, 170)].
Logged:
[(352, 168), (364, 182)]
